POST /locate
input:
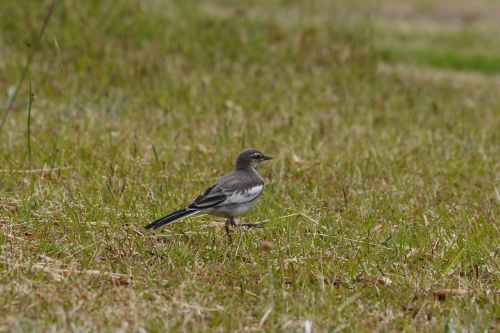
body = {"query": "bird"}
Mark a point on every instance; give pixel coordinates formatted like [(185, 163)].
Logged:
[(232, 195)]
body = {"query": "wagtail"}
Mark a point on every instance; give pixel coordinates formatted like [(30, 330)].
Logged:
[(231, 196)]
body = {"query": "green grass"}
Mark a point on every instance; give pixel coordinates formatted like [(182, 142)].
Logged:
[(384, 188), (463, 50), (444, 60)]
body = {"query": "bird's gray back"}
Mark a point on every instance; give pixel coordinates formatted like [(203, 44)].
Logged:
[(236, 187), (238, 180)]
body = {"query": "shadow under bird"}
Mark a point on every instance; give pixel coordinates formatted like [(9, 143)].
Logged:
[(232, 195)]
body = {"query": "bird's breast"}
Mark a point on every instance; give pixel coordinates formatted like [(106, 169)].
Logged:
[(235, 210)]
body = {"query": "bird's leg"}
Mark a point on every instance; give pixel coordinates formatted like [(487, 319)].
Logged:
[(229, 222)]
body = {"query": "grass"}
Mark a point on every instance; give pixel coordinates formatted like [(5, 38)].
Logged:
[(445, 60), (473, 51), (382, 196)]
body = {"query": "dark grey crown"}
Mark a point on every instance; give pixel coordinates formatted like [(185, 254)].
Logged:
[(250, 158)]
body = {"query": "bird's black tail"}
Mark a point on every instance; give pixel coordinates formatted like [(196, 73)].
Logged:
[(172, 217)]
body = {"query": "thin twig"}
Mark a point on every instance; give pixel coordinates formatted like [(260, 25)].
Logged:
[(30, 104), (345, 191), (82, 249), (35, 170), (279, 218), (60, 271), (354, 240), (307, 217), (31, 55), (266, 314)]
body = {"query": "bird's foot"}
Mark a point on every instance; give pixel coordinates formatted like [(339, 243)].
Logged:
[(229, 223), (252, 225)]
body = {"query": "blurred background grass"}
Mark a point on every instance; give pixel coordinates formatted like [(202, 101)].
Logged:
[(382, 116)]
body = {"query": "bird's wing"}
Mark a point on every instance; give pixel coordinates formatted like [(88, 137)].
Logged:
[(209, 198), (243, 195), (229, 190)]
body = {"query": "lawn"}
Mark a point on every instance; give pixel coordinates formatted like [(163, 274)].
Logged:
[(382, 202)]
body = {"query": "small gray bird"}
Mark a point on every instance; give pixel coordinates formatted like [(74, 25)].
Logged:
[(232, 195)]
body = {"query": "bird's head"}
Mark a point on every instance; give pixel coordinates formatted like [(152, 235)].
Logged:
[(250, 158)]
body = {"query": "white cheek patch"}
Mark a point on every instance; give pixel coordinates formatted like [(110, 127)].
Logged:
[(244, 196)]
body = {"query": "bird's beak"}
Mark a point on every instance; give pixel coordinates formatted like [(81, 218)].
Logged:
[(267, 158)]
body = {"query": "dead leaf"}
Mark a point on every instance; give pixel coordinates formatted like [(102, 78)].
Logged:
[(296, 158), (384, 280), (413, 253), (266, 245), (441, 294), (121, 280)]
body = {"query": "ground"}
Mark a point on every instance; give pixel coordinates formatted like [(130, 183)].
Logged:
[(381, 203)]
